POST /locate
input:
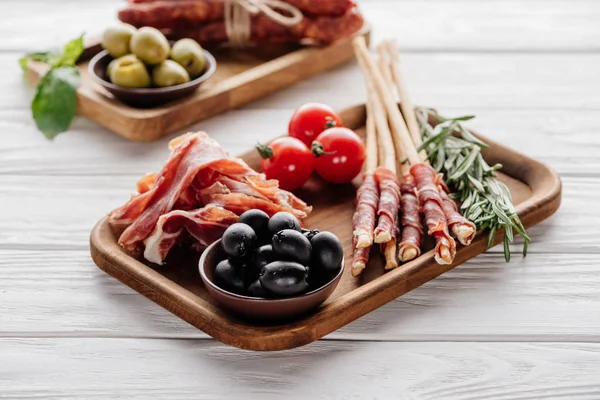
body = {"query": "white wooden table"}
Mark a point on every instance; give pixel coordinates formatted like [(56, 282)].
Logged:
[(530, 329)]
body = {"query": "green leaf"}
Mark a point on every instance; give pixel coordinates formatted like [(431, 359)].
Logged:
[(71, 53), (55, 100), (43, 56)]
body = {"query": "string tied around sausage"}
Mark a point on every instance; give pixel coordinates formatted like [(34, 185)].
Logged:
[(239, 13)]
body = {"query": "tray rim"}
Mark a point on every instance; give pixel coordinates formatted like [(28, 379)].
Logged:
[(545, 199)]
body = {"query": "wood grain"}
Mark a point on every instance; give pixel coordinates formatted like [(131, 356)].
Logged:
[(191, 369), (540, 298), (242, 76), (176, 286)]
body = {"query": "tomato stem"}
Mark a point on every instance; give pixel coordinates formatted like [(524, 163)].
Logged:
[(317, 149), (264, 151), (330, 123)]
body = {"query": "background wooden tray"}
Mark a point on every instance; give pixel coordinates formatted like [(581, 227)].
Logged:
[(242, 76), (536, 191)]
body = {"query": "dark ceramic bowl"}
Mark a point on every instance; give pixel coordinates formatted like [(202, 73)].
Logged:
[(147, 97), (257, 308)]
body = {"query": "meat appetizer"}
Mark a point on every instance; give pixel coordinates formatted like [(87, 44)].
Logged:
[(199, 192), (422, 190), (214, 21)]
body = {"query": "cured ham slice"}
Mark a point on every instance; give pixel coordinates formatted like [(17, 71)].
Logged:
[(198, 175), (206, 225), (389, 203), (412, 230), (322, 29), (462, 228), (365, 216), (169, 13), (432, 206), (188, 158)]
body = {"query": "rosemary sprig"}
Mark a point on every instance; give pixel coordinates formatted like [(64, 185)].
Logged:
[(484, 200)]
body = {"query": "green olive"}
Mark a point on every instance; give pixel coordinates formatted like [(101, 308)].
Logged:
[(150, 45), (189, 54), (128, 71), (116, 39), (169, 73), (114, 62)]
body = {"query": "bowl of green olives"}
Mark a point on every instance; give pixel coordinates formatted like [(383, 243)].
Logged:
[(270, 268), (143, 69)]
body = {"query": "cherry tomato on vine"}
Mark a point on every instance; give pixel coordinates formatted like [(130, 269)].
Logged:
[(339, 154), (288, 160), (310, 120)]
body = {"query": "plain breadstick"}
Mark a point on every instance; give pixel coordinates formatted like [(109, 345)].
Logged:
[(394, 115)]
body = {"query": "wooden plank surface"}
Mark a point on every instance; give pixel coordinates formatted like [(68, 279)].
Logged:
[(190, 369), (527, 69)]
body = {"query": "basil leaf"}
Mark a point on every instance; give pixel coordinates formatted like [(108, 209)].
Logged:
[(55, 100), (43, 56), (71, 53)]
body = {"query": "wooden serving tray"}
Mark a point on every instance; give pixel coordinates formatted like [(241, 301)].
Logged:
[(536, 192), (242, 76)]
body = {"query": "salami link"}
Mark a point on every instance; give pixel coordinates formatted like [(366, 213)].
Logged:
[(462, 228), (389, 203), (323, 30), (412, 230), (168, 13), (432, 205), (363, 221)]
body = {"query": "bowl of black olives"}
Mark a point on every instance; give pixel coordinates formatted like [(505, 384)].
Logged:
[(271, 268)]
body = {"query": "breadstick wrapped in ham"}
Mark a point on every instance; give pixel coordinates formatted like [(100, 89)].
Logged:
[(367, 200), (462, 228), (432, 206), (412, 230)]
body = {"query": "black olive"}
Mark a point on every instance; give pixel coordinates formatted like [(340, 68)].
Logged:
[(256, 290), (291, 245), (284, 278), (263, 256), (283, 220), (258, 220), (239, 241), (229, 277), (327, 252), (309, 233)]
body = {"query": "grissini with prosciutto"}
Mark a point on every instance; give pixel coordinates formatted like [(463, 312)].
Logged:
[(445, 249), (463, 229), (387, 228), (367, 199), (412, 229)]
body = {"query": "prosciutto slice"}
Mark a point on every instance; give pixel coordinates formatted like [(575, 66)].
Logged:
[(412, 230), (199, 183), (169, 13), (363, 221), (206, 225), (389, 203), (432, 205), (462, 228)]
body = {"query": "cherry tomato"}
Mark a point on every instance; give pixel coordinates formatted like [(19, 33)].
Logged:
[(339, 155), (310, 120), (288, 160)]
